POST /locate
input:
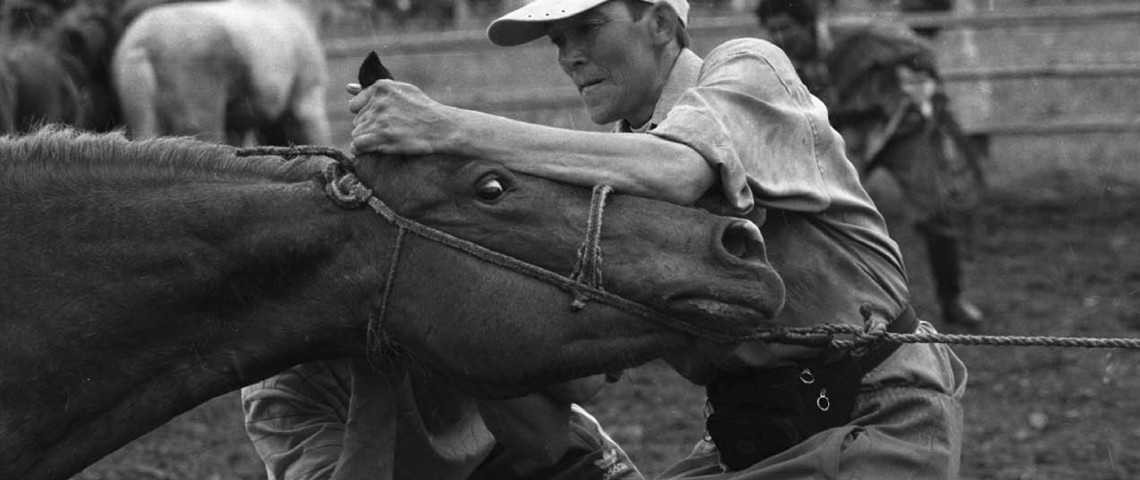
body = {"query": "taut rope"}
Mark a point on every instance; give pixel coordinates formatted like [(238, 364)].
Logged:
[(585, 283), (854, 336)]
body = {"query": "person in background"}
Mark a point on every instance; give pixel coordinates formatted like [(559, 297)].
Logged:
[(880, 82), (735, 133)]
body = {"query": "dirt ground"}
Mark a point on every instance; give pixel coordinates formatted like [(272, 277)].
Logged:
[(1055, 255)]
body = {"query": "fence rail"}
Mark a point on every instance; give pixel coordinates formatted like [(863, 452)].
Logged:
[(476, 40), (516, 99)]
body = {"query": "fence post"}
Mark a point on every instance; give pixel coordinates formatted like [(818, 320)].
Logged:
[(978, 105)]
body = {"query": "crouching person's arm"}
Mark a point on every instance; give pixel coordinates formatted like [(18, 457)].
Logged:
[(298, 419), (548, 435)]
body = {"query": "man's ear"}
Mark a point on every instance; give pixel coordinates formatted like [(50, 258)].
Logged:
[(663, 28)]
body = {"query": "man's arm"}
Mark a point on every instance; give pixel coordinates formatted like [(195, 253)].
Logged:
[(394, 117)]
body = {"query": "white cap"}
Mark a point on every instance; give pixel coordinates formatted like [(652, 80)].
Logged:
[(529, 22)]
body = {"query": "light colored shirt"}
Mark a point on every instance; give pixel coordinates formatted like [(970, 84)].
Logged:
[(342, 416), (297, 422), (780, 164)]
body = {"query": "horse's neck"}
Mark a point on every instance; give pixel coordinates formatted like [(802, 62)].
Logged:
[(196, 300)]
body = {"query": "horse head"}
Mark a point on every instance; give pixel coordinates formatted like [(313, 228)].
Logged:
[(708, 269)]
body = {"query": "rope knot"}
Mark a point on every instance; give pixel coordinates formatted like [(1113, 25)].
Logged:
[(343, 188), (874, 330), (341, 185)]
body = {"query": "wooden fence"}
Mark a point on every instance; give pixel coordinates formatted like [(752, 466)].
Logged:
[(1030, 83)]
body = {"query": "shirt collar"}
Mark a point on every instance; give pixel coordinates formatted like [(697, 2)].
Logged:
[(684, 75)]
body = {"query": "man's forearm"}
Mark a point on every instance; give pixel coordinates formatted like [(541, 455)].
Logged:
[(636, 164)]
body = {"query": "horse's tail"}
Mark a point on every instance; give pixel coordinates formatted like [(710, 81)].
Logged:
[(136, 85)]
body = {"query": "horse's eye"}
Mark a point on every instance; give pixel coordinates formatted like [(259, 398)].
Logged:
[(490, 189)]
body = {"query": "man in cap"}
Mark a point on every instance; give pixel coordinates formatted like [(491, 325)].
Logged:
[(735, 133), (880, 83)]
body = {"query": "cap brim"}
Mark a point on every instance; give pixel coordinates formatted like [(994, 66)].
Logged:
[(530, 22), (509, 33)]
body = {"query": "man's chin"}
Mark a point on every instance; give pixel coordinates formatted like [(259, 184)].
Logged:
[(599, 114)]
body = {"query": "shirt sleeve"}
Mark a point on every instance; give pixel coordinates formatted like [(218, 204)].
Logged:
[(296, 420), (755, 123)]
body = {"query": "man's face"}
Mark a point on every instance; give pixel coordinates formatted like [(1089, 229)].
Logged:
[(610, 57), (797, 40)]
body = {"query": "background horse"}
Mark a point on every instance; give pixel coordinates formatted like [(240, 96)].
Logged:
[(55, 66), (41, 80), (237, 71), (142, 279)]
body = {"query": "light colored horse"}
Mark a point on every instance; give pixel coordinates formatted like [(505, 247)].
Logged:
[(236, 71)]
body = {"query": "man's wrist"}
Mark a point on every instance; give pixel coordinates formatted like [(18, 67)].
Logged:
[(460, 139)]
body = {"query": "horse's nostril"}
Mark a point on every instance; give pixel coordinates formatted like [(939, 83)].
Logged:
[(742, 239)]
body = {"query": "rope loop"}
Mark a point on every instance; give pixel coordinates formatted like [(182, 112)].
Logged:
[(341, 187), (341, 184)]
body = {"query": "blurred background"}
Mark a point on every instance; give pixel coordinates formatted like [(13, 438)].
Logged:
[(1051, 86)]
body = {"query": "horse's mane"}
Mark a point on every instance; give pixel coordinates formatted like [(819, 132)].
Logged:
[(62, 155)]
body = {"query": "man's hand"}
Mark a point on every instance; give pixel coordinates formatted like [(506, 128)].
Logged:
[(398, 118)]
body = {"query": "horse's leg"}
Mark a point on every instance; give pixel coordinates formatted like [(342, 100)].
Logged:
[(193, 104), (136, 85), (307, 122)]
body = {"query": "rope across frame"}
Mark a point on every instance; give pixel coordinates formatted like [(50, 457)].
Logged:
[(347, 190)]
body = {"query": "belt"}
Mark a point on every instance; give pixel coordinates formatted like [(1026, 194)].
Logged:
[(763, 412)]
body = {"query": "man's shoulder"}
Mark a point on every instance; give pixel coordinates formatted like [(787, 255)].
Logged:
[(744, 45), (749, 49)]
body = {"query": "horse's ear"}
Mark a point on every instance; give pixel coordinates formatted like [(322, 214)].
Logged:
[(372, 70)]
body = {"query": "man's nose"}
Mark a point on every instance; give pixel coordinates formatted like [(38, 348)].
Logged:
[(570, 56)]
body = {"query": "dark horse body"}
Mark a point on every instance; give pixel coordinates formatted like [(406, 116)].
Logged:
[(236, 71), (142, 279)]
